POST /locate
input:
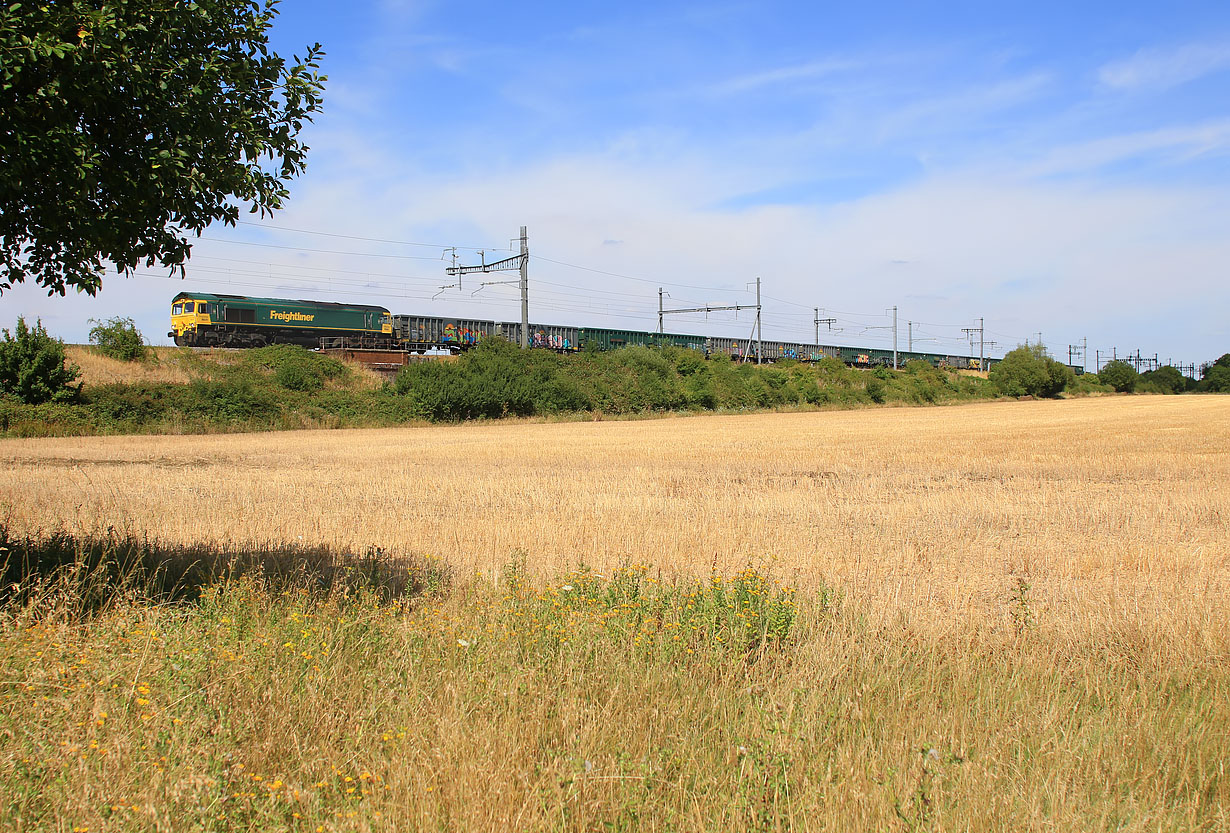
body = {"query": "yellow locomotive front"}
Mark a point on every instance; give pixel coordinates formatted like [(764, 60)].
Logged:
[(187, 314)]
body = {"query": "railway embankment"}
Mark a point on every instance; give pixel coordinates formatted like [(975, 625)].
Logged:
[(182, 390)]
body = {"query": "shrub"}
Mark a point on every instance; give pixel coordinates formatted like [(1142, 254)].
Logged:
[(132, 404), (1119, 375), (1164, 380), (33, 368), (119, 338), (228, 400), (296, 368), (876, 390), (1029, 371), (1216, 379)]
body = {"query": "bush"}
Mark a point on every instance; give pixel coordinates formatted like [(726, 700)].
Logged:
[(228, 400), (1164, 380), (32, 366), (875, 390), (1119, 375), (128, 404), (1216, 379), (1029, 371), (119, 338), (296, 368)]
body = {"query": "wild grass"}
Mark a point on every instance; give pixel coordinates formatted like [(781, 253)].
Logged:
[(986, 617), (630, 700), (165, 365)]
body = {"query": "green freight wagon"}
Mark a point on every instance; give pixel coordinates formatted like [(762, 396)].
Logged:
[(203, 319), (599, 338)]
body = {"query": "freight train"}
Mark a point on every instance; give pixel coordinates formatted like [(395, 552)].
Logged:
[(203, 319)]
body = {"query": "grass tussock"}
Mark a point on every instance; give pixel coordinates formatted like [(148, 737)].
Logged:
[(628, 700)]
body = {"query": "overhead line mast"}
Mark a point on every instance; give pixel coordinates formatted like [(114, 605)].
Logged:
[(708, 309), (520, 262)]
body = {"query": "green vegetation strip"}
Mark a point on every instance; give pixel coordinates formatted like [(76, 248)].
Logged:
[(322, 698), (290, 387)]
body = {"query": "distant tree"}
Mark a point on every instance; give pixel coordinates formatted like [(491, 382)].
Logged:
[(125, 124), (1119, 375), (1029, 371), (33, 366), (1165, 379), (1216, 378), (118, 338)]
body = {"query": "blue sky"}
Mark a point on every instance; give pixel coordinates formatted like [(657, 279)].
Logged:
[(1053, 168)]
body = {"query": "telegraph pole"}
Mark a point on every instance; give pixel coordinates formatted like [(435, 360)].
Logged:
[(659, 310), (910, 330)]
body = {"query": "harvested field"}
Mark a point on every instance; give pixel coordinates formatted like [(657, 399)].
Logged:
[(1114, 510), (992, 617)]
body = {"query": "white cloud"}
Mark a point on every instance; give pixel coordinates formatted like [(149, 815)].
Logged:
[(784, 75), (1178, 143), (1069, 259), (963, 107), (1161, 69)]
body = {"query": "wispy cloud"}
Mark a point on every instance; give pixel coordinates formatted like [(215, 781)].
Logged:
[(1160, 69), (1175, 144), (784, 75), (964, 107)]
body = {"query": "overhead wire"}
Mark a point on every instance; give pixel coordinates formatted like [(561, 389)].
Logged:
[(387, 284), (372, 239)]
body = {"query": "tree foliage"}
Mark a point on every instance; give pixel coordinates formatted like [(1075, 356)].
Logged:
[(118, 338), (1119, 375), (126, 124), (1165, 379), (1029, 371), (33, 368), (1217, 376)]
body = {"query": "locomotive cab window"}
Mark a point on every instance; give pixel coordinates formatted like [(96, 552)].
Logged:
[(177, 309), (189, 306)]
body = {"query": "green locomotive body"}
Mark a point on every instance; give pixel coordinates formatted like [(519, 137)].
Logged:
[(203, 319)]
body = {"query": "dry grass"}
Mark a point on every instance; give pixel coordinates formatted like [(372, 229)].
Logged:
[(1114, 510), (172, 365), (165, 365), (1029, 632)]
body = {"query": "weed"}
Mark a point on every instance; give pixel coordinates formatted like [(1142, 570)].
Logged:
[(1021, 608)]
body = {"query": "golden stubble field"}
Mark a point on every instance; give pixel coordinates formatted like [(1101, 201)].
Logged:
[(1114, 510)]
